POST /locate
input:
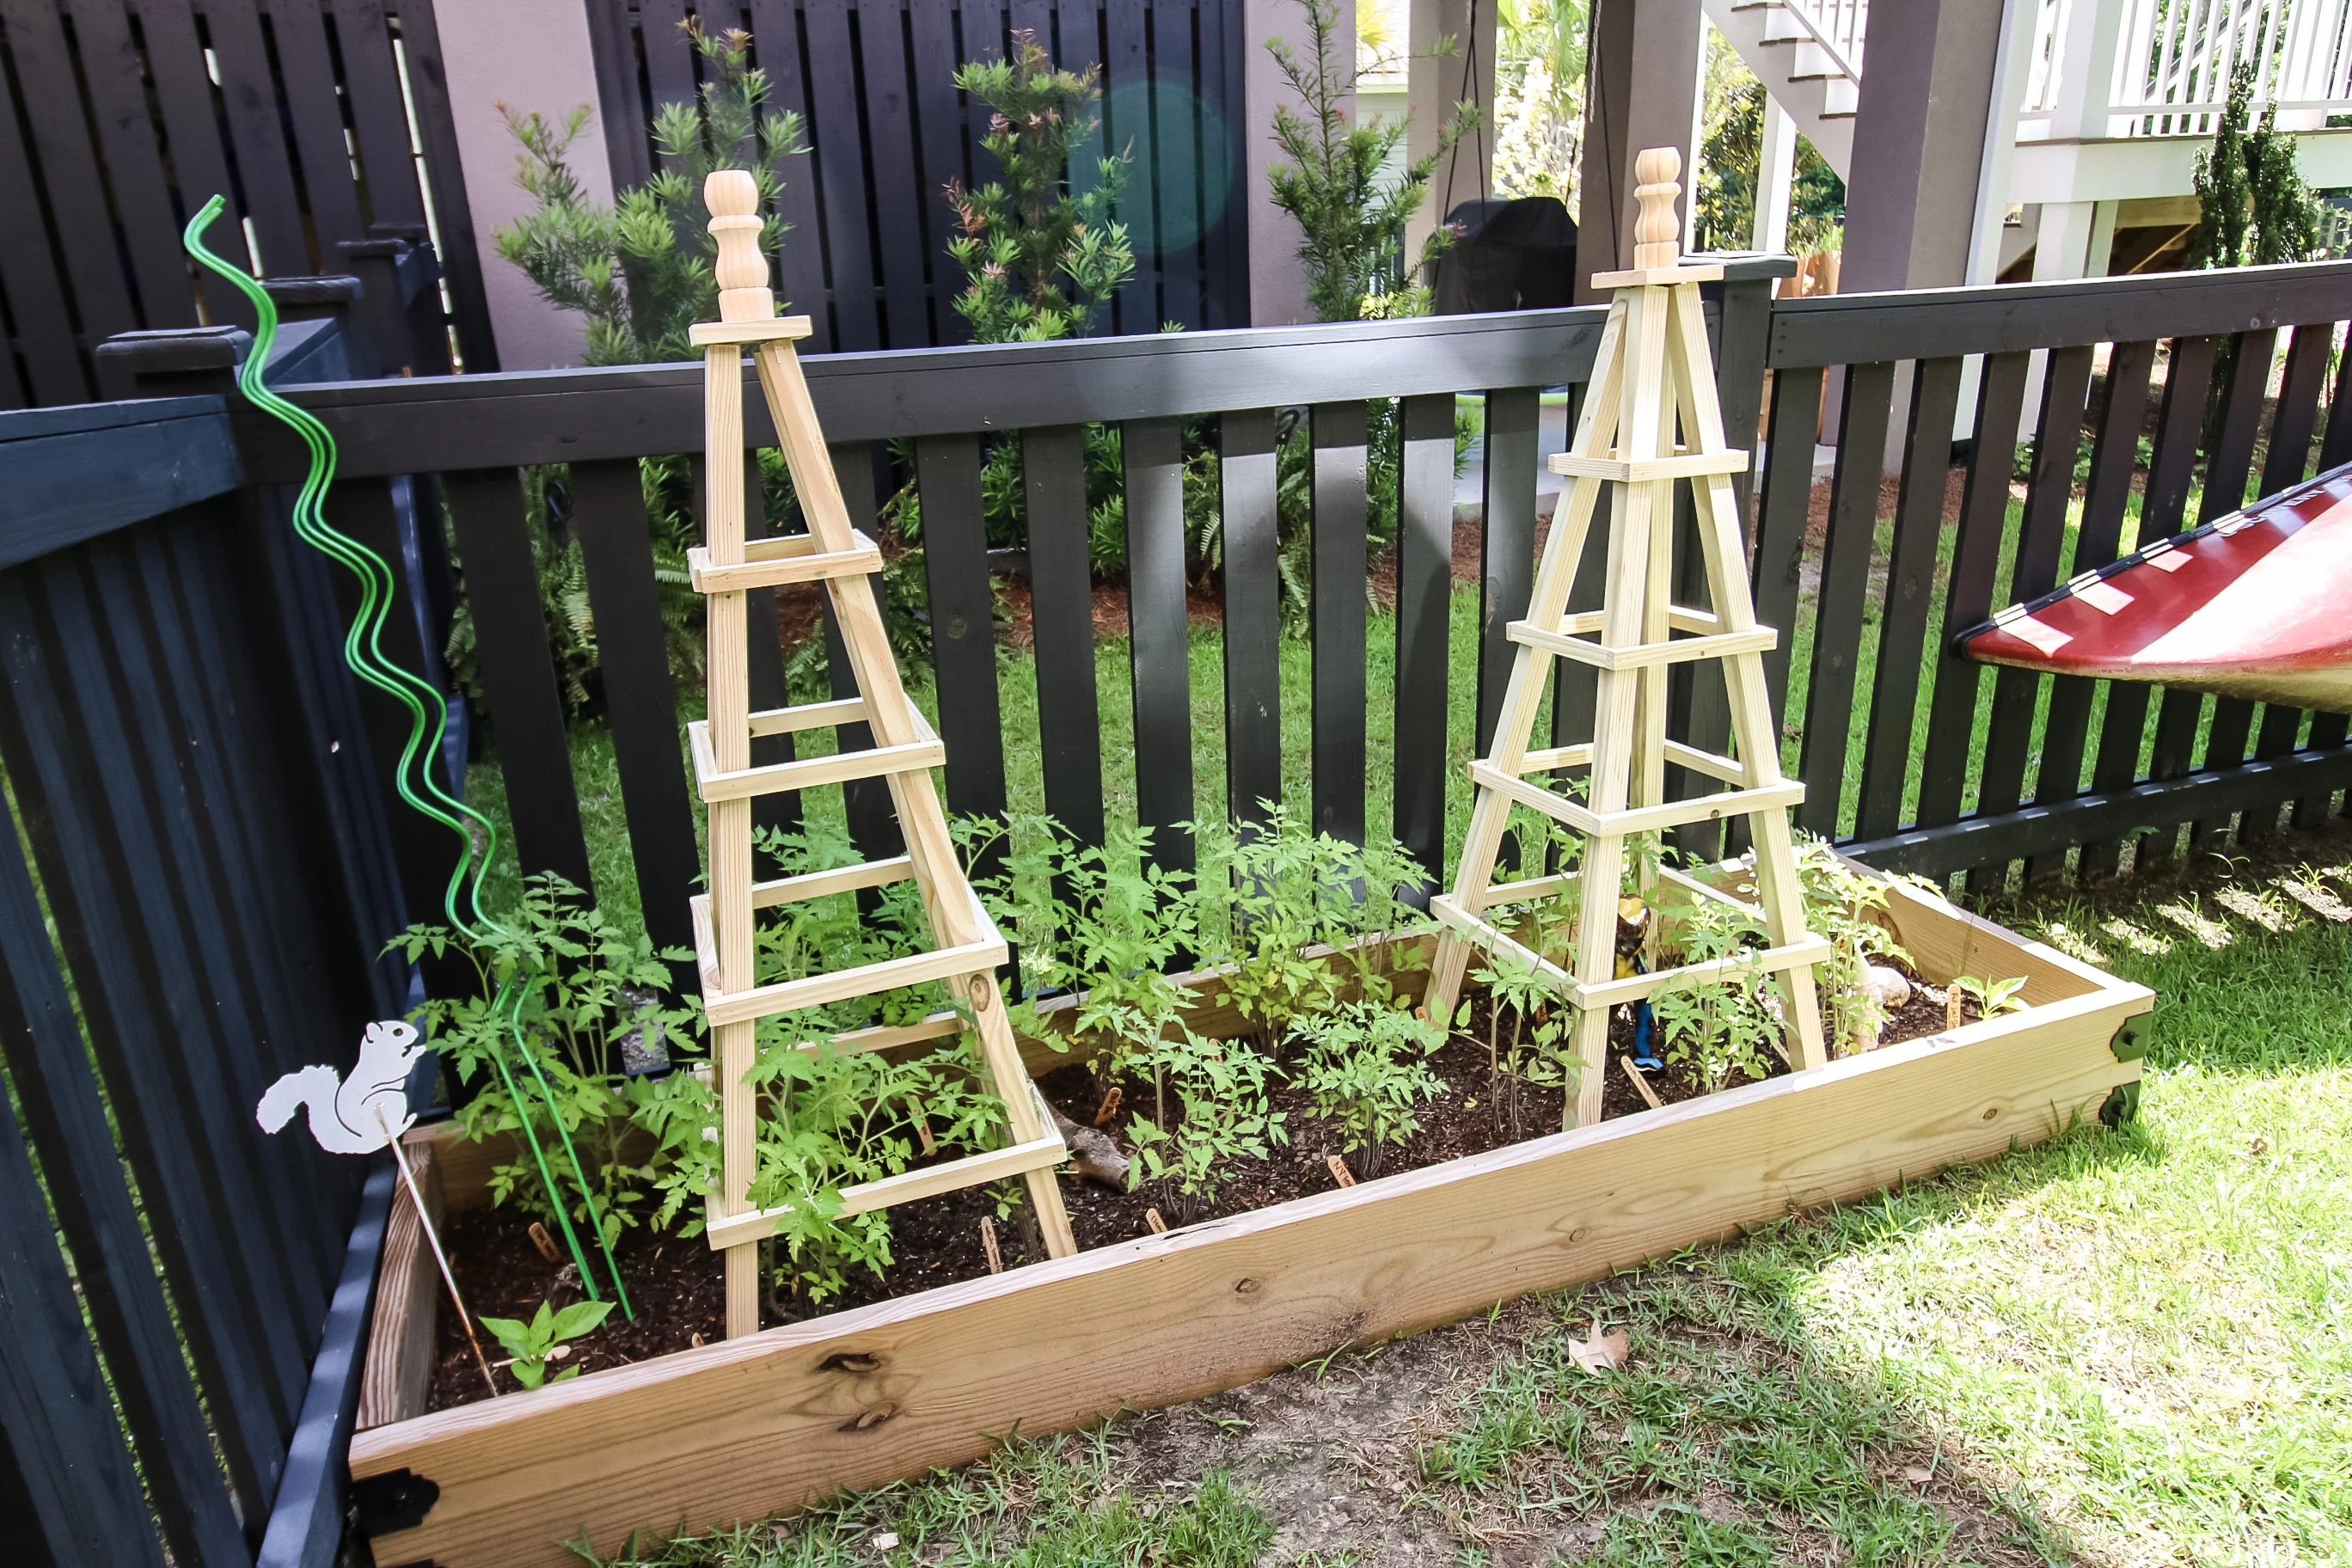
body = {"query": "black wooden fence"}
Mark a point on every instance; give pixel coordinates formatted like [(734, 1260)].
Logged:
[(874, 83), (207, 888), (1918, 761), (118, 119), (193, 772)]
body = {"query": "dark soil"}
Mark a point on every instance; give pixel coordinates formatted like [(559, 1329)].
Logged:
[(677, 1286)]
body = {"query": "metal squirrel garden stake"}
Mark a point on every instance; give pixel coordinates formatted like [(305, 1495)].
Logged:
[(363, 1112)]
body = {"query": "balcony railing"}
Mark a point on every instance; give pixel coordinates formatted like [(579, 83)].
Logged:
[(2167, 65)]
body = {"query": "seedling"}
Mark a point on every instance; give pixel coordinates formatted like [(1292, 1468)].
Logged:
[(547, 1337), (1365, 1067), (1993, 997)]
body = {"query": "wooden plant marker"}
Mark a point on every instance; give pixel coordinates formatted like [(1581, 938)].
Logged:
[(904, 752), (1653, 371)]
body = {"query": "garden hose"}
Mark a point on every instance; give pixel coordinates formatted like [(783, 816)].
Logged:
[(428, 717)]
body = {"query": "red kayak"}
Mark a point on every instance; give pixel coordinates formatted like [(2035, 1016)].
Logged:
[(2256, 604)]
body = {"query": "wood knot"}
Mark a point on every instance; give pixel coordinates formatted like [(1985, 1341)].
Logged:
[(1991, 1112), (870, 1417), (850, 1362), (983, 992), (1246, 1288)]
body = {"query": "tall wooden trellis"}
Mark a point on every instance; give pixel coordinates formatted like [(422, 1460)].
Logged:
[(1651, 384), (904, 752)]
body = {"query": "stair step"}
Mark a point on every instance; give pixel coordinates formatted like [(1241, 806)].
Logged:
[(1783, 29), (1840, 96)]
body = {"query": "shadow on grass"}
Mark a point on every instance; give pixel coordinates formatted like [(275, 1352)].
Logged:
[(1734, 1433)]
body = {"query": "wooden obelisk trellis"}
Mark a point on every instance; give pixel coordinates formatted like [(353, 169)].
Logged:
[(1652, 372), (905, 750)]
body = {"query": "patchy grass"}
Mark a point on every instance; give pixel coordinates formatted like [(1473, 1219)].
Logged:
[(1065, 1503)]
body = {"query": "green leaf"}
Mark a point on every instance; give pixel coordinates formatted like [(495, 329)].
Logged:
[(578, 1319)]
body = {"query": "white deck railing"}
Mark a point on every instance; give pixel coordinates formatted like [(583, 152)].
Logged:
[(2171, 62)]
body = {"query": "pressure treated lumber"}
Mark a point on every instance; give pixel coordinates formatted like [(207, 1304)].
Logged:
[(400, 1344), (1652, 378), (741, 1430), (905, 751)]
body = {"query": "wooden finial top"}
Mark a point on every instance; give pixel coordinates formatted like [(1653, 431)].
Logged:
[(1657, 232), (741, 270)]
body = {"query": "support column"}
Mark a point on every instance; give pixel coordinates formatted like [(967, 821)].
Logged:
[(1918, 145), (1277, 279), (1435, 84), (1644, 69), (531, 55), (1777, 184)]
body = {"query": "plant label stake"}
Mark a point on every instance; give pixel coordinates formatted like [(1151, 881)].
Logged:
[(1652, 372), (356, 1115), (905, 751)]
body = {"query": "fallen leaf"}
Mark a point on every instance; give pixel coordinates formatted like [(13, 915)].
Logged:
[(1917, 1475), (1600, 1353), (885, 1541)]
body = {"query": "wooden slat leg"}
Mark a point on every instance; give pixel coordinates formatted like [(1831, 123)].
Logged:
[(1489, 813), (1596, 964), (1776, 889), (1011, 1081)]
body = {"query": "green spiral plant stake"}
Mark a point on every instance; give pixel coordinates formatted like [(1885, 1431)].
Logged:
[(363, 651)]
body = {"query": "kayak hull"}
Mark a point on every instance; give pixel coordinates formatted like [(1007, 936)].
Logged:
[(2257, 604)]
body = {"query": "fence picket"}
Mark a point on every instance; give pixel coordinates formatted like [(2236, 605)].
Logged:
[(485, 513), (1062, 611), (81, 850), (313, 110), (70, 169), (1845, 585), (113, 75), (52, 372), (379, 110), (2042, 537), (1253, 615), (2329, 729), (2292, 422), (1160, 646), (2165, 510), (1910, 596), (963, 627), (1336, 767), (1780, 524), (1976, 554), (66, 1123), (837, 138), (2228, 467), (873, 820), (1506, 549), (71, 1470), (896, 173), (608, 515), (2114, 452), (1424, 606), (2114, 763)]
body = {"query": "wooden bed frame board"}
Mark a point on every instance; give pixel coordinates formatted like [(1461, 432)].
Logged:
[(753, 1426)]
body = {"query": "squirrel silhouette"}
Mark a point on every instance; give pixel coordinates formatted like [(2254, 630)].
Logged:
[(354, 1115)]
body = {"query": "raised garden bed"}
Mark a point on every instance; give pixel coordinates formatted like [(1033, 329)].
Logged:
[(743, 1428)]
